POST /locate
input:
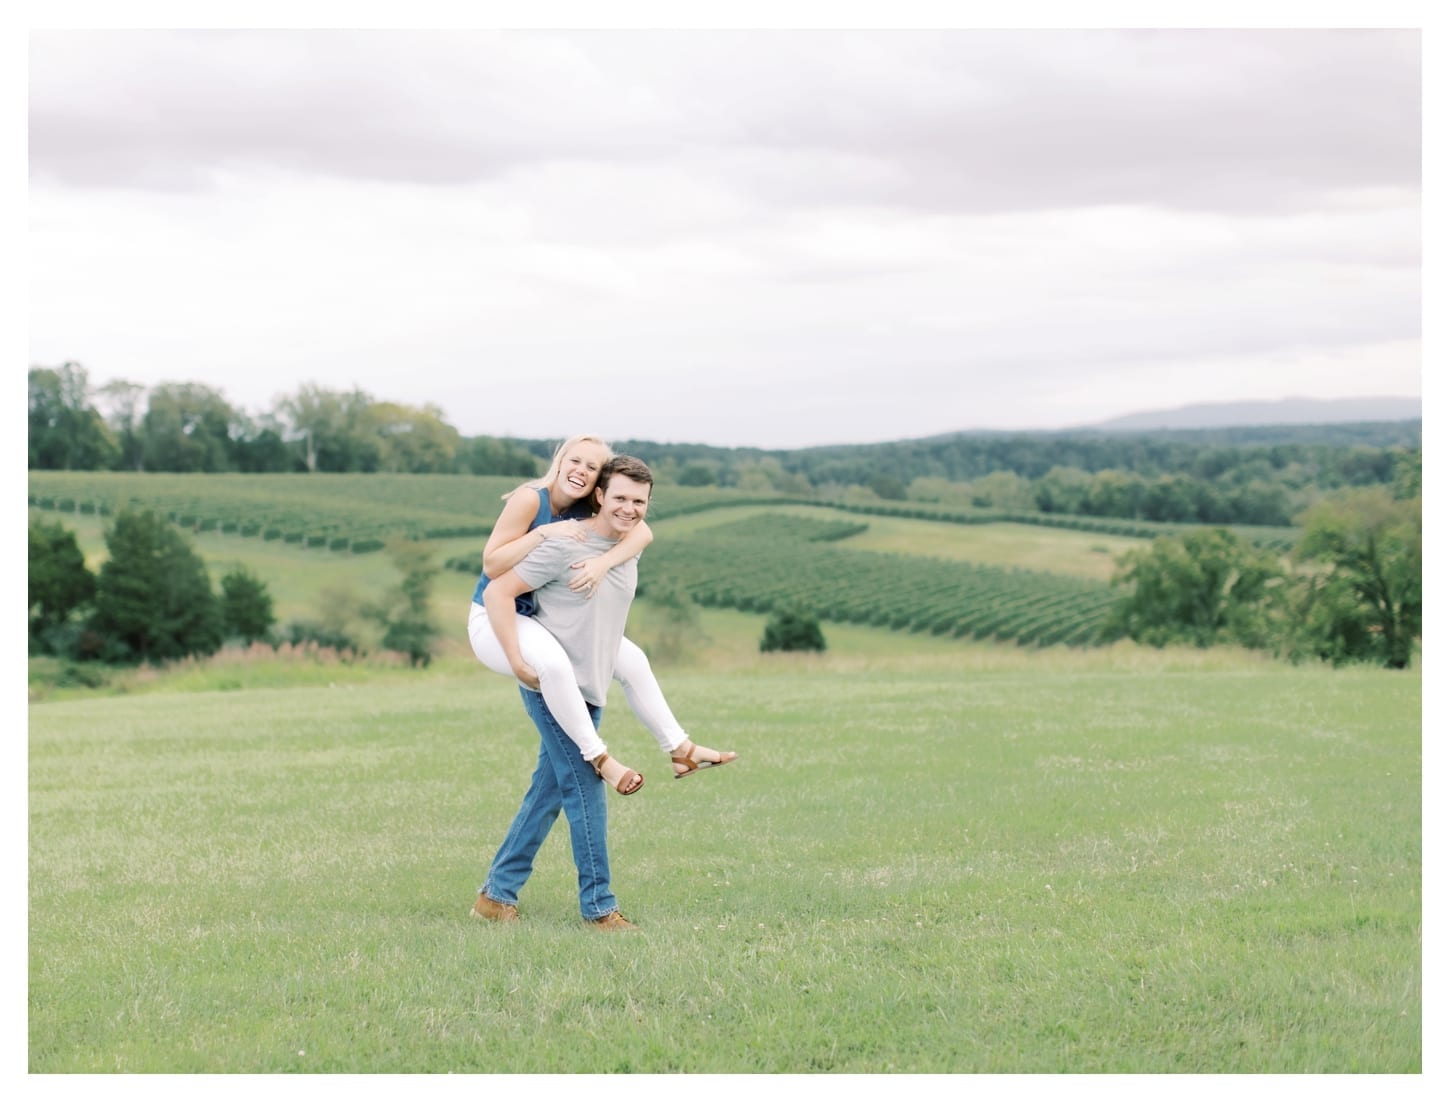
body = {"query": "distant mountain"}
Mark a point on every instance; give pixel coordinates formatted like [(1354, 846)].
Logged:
[(1289, 411)]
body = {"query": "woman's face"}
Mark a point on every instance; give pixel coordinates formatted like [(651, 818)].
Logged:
[(579, 470)]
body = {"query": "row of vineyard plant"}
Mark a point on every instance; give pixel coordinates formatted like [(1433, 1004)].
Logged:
[(764, 563), (359, 511), (340, 512)]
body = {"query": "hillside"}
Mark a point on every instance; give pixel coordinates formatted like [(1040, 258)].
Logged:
[(1288, 411)]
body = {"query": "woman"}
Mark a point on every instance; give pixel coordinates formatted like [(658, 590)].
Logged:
[(553, 507)]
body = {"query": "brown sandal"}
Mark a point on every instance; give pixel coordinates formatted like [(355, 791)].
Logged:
[(628, 783), (692, 765)]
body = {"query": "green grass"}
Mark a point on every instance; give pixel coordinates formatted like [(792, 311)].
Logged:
[(958, 859)]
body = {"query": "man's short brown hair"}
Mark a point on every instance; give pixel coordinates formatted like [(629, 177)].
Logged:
[(629, 467)]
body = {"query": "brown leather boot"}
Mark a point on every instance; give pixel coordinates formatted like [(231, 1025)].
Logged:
[(493, 910), (612, 921)]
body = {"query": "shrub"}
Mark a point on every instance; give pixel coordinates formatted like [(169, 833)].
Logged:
[(405, 612), (302, 632), (246, 606), (679, 620), (793, 628), (59, 583)]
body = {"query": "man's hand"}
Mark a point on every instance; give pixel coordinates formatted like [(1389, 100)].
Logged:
[(526, 673)]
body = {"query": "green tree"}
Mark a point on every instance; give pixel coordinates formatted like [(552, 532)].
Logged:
[(940, 491), (1003, 490), (1063, 490), (696, 474), (887, 487), (405, 612), (1115, 493), (768, 474), (1408, 469), (792, 628), (332, 427), (1202, 587), (1174, 499), (122, 402), (65, 431), (154, 599), (1260, 502), (189, 427), (413, 440), (489, 455), (678, 620), (59, 583), (1370, 604), (246, 606)]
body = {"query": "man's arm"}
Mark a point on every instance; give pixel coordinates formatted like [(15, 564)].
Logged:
[(498, 599)]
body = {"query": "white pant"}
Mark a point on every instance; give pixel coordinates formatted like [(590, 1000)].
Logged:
[(561, 689)]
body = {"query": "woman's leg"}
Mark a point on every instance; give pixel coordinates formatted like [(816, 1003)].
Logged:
[(557, 683), (647, 700)]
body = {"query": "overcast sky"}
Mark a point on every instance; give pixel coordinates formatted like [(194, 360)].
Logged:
[(770, 238)]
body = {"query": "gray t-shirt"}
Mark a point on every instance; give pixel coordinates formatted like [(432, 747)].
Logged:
[(590, 628)]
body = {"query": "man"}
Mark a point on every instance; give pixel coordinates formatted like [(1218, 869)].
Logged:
[(590, 626)]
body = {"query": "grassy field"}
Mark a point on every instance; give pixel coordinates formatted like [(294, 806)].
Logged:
[(930, 858), (933, 856)]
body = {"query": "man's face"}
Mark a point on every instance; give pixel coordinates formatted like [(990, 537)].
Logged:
[(622, 505)]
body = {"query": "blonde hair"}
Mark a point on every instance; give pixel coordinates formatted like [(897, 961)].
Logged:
[(547, 478)]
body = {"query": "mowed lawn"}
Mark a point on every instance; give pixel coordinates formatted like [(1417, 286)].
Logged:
[(927, 863)]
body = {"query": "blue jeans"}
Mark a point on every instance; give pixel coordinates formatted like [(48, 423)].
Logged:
[(563, 781)]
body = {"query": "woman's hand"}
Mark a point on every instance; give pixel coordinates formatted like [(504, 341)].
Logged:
[(588, 573), (527, 674), (565, 529)]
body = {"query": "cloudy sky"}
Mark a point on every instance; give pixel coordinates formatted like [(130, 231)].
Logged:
[(756, 237)]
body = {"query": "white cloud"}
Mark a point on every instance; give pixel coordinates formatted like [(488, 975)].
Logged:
[(775, 239)]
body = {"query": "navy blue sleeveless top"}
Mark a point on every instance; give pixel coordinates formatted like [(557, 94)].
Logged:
[(524, 602)]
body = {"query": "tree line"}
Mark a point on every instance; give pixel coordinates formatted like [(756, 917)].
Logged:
[(1252, 476), (1247, 476), (189, 427), (1351, 591)]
